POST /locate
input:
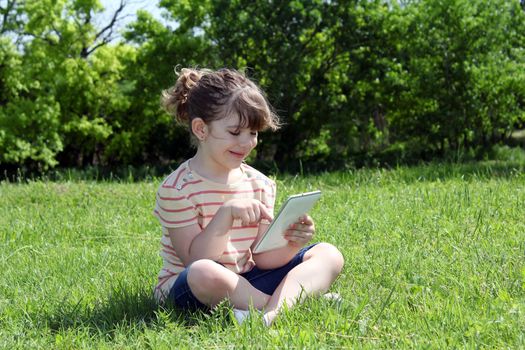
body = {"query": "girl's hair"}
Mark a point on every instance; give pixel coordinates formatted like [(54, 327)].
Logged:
[(213, 95)]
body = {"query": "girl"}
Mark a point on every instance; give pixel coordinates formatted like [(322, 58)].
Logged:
[(214, 206)]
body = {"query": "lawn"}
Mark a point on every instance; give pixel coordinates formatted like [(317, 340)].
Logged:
[(435, 258)]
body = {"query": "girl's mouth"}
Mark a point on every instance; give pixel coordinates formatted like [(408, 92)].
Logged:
[(237, 155)]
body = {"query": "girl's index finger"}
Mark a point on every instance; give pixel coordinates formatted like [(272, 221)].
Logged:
[(265, 213)]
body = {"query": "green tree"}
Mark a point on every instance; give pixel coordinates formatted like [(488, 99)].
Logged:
[(289, 48), (145, 133), (29, 127), (330, 68), (63, 100), (465, 86), (354, 80), (370, 76)]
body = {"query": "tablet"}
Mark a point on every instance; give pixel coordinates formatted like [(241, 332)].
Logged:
[(294, 207)]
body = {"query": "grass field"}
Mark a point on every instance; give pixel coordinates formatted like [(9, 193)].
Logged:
[(435, 258)]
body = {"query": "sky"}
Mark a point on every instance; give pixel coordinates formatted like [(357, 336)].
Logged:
[(129, 11)]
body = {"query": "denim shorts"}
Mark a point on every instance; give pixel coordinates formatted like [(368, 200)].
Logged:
[(266, 281)]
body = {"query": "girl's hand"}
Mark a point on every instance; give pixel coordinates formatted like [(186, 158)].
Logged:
[(246, 262), (301, 232), (249, 211)]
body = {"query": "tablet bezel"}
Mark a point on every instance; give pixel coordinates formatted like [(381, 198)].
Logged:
[(285, 218)]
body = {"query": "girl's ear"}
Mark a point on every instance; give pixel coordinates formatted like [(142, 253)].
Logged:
[(199, 128)]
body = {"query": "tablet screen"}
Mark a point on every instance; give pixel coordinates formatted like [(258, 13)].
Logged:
[(294, 207)]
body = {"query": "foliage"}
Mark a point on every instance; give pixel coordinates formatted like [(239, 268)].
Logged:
[(355, 81), (29, 127), (66, 86), (145, 132), (464, 84)]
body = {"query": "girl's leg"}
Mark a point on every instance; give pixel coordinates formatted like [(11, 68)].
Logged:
[(320, 267), (211, 283)]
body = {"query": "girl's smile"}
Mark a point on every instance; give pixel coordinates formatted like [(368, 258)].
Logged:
[(224, 146), (238, 155)]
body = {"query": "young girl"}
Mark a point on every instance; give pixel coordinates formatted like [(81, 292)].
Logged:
[(214, 206)]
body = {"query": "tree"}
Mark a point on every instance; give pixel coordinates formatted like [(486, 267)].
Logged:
[(145, 133), (67, 91), (287, 47), (22, 135), (459, 92), (354, 80), (329, 67)]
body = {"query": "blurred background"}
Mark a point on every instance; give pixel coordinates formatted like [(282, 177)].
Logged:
[(357, 83)]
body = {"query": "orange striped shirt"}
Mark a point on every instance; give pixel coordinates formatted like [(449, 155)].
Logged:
[(185, 198)]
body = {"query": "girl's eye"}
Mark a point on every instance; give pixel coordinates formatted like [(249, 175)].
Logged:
[(237, 133)]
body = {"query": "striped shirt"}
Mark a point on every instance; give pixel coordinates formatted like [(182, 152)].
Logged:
[(185, 198)]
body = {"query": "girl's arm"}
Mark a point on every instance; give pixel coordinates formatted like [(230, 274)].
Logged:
[(191, 243), (275, 258), (298, 235)]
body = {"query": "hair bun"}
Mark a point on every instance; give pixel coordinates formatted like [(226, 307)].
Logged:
[(174, 99)]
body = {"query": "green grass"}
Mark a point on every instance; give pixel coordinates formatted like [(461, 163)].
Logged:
[(435, 258)]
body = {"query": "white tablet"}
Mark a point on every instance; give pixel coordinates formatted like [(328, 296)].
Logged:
[(294, 207)]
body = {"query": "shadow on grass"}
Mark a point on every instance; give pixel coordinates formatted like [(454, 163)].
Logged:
[(134, 310)]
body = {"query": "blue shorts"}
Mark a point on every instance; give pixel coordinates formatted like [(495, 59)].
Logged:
[(266, 281)]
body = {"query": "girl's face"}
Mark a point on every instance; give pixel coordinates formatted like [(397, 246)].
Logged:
[(227, 144)]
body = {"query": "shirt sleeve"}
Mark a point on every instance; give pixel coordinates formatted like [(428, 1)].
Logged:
[(173, 209)]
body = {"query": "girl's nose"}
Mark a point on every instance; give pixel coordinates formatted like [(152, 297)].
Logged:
[(249, 140)]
